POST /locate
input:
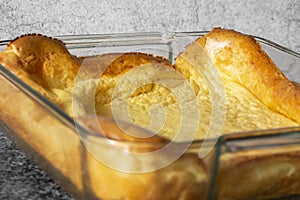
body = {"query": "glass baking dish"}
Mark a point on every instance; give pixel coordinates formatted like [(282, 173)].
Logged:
[(71, 161)]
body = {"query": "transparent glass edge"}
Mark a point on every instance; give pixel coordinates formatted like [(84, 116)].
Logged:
[(214, 172), (49, 106), (66, 119), (261, 139)]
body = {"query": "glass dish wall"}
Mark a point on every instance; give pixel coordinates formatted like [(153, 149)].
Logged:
[(51, 139)]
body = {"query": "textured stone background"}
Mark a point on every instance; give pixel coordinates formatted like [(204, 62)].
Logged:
[(276, 20)]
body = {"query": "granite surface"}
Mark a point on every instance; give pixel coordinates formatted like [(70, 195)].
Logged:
[(20, 178), (278, 21)]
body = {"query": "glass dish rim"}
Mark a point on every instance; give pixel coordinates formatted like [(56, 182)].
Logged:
[(67, 120)]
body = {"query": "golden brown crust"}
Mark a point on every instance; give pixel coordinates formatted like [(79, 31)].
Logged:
[(12, 62), (46, 64), (36, 34), (249, 78), (256, 174), (49, 63), (242, 109), (108, 69), (115, 64), (188, 183), (59, 150), (242, 58), (46, 60)]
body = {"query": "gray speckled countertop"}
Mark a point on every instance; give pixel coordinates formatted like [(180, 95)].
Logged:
[(278, 21), (20, 178)]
